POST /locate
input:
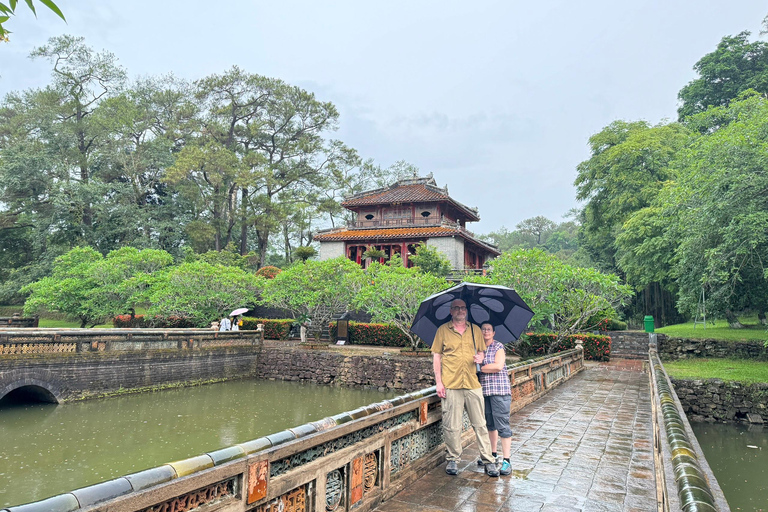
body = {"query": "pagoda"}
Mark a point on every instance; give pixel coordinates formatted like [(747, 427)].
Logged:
[(397, 218)]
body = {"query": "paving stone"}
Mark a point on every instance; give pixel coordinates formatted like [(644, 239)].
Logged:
[(587, 445)]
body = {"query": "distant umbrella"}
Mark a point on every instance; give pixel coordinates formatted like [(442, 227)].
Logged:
[(499, 305), (238, 311)]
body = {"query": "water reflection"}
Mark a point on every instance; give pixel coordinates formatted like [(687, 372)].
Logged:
[(47, 449), (738, 455)]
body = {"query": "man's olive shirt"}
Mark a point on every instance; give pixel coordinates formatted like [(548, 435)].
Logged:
[(458, 365)]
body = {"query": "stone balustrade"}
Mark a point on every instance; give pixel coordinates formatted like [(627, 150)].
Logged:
[(353, 460), (57, 365), (684, 479)]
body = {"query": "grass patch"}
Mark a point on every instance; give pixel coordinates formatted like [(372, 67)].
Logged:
[(741, 370), (719, 330), (66, 324)]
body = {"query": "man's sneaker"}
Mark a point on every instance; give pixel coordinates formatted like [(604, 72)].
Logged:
[(499, 459), (505, 469), (491, 470), (452, 468), (480, 462)]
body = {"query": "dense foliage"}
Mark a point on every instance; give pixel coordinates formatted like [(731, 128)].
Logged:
[(392, 294), (316, 290), (597, 347), (274, 329), (234, 162), (385, 335)]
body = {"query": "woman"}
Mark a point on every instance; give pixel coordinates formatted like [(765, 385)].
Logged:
[(498, 396)]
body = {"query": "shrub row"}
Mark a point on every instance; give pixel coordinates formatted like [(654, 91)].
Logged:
[(273, 329), (141, 321), (597, 347), (384, 335)]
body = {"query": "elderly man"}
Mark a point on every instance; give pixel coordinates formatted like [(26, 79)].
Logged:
[(458, 345)]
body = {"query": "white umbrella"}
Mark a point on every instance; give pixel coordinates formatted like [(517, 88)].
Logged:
[(238, 311)]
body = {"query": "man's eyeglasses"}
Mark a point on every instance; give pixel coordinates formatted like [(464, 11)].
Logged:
[(458, 308)]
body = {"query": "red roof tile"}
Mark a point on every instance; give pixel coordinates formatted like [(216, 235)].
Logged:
[(371, 235), (418, 190)]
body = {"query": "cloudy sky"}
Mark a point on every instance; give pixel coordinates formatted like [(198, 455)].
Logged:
[(496, 98)]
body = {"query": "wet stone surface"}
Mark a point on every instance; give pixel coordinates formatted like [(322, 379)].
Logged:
[(586, 446)]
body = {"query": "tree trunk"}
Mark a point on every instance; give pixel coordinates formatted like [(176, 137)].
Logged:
[(244, 223), (733, 322), (262, 241), (761, 317), (287, 242)]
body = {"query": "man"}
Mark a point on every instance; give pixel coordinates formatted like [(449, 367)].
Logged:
[(458, 345)]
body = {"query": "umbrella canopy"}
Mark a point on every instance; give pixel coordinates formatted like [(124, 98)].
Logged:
[(238, 311), (499, 305)]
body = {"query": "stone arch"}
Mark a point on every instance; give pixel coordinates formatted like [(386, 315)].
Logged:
[(41, 384)]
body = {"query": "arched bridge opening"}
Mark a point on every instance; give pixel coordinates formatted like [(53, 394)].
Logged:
[(29, 394)]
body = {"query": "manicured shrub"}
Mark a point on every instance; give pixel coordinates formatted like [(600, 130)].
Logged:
[(157, 322), (383, 335), (597, 347), (274, 329)]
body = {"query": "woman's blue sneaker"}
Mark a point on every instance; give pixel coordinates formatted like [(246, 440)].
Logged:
[(505, 469)]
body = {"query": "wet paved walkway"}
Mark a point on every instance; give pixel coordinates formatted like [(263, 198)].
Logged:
[(586, 446)]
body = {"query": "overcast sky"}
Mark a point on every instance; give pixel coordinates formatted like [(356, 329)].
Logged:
[(496, 98)]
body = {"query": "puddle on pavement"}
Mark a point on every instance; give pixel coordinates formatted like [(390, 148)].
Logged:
[(521, 474)]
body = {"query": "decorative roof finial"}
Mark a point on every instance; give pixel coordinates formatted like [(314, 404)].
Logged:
[(415, 173)]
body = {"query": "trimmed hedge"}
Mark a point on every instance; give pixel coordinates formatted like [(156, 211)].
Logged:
[(143, 322), (274, 329), (383, 335), (597, 347)]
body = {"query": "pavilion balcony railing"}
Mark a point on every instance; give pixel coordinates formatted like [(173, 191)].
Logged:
[(459, 274), (388, 223)]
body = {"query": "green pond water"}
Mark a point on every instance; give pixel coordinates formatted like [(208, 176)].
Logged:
[(738, 456), (48, 449)]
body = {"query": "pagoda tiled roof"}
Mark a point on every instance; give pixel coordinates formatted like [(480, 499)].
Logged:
[(375, 234), (414, 190)]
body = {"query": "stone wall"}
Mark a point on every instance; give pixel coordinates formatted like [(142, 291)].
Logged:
[(717, 400), (57, 365), (398, 373), (671, 349), (629, 344)]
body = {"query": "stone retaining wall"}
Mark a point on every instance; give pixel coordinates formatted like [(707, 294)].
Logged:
[(717, 400), (69, 364), (629, 344), (398, 373), (671, 349)]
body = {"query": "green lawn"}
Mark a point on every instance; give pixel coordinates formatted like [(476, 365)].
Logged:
[(742, 370), (753, 330), (48, 322)]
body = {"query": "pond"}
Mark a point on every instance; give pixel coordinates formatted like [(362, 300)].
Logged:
[(48, 449), (738, 455)]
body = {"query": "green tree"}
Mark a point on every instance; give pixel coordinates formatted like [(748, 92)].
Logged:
[(430, 261), (537, 227), (9, 9), (735, 66), (314, 289), (721, 210), (629, 164), (392, 294), (202, 292), (91, 288), (68, 289), (562, 297)]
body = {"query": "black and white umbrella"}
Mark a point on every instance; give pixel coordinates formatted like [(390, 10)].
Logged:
[(499, 305)]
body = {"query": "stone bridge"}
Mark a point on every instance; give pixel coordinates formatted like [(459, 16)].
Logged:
[(594, 437), (56, 365)]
